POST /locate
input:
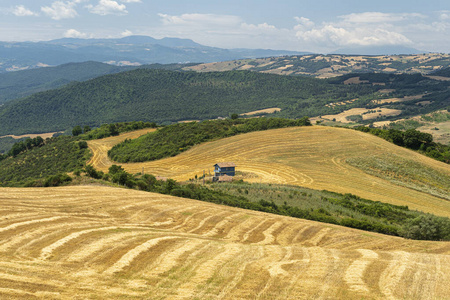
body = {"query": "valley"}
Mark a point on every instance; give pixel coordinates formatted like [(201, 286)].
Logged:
[(212, 150)]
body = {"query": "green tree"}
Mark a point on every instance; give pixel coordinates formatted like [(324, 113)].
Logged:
[(92, 172), (427, 227), (115, 169), (86, 129), (77, 130), (113, 129)]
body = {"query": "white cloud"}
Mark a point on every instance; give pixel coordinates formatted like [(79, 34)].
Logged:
[(21, 11), (378, 17), (302, 21), (358, 29), (226, 31), (126, 33), (73, 33), (444, 15), (264, 27), (108, 7), (363, 29), (331, 35), (61, 10), (201, 20)]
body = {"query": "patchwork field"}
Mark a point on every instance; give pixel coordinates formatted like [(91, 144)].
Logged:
[(436, 123), (366, 114), (99, 242), (32, 136), (326, 66), (440, 131), (262, 111), (313, 157)]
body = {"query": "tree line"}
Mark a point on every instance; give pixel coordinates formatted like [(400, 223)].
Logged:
[(412, 139)]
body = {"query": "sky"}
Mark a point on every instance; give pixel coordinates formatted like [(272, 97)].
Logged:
[(317, 26)]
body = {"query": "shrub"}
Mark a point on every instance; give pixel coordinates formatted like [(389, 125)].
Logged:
[(427, 227), (57, 180)]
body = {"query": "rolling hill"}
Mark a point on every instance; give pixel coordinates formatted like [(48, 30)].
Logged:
[(168, 96), (24, 83), (20, 84), (97, 242), (317, 157), (332, 65)]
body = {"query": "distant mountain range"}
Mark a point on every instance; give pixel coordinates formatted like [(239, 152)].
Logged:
[(131, 51)]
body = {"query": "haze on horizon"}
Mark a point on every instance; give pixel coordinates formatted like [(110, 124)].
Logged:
[(315, 26)]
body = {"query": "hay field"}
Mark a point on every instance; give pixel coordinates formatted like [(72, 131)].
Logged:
[(395, 100), (100, 147), (108, 243), (440, 78), (442, 135), (262, 111), (313, 157), (32, 136), (367, 114)]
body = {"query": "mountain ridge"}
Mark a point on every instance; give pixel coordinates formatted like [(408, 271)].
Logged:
[(136, 50)]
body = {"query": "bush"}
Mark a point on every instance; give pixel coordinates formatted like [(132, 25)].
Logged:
[(82, 144), (57, 180), (92, 172), (427, 227)]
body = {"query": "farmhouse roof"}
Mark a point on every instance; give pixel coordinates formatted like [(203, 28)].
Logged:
[(226, 164)]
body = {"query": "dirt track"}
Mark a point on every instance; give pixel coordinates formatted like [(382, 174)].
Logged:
[(99, 242), (313, 157)]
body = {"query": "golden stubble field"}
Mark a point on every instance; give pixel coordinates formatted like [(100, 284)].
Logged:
[(100, 242), (313, 157)]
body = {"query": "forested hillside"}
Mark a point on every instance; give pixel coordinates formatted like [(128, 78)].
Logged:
[(167, 96), (444, 72), (19, 84)]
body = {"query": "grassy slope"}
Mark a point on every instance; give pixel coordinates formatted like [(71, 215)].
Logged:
[(313, 157), (101, 242)]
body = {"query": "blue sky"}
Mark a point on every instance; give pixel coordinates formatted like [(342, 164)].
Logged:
[(318, 26)]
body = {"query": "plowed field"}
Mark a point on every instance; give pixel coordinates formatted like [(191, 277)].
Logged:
[(313, 157), (109, 243)]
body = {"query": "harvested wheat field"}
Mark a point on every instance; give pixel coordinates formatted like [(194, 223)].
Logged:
[(313, 157), (100, 242), (100, 147), (366, 114)]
